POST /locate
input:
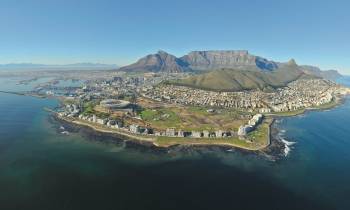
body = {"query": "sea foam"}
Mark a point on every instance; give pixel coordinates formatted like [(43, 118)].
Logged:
[(287, 146)]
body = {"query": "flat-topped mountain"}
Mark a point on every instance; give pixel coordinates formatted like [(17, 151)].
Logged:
[(229, 70), (237, 59), (201, 61)]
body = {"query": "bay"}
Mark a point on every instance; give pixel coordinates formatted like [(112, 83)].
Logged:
[(41, 168)]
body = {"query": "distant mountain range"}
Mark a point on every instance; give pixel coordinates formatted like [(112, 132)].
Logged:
[(228, 69), (75, 66), (216, 59), (328, 74)]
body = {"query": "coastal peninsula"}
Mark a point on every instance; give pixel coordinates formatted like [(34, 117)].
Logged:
[(165, 101), (165, 113)]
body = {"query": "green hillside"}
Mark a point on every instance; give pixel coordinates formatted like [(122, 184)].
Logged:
[(237, 80)]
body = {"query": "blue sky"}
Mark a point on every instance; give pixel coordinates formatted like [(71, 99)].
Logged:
[(70, 31)]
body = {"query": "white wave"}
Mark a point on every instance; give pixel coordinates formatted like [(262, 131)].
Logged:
[(281, 134), (115, 149), (287, 146), (65, 132), (62, 128), (288, 143), (286, 150)]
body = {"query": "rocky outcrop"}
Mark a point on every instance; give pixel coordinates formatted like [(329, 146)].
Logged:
[(220, 59), (292, 62), (236, 59), (201, 60), (159, 62)]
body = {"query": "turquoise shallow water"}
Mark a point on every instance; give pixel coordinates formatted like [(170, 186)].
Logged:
[(41, 168)]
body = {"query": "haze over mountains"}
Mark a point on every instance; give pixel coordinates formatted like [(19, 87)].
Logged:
[(230, 70), (75, 66), (212, 60), (328, 74)]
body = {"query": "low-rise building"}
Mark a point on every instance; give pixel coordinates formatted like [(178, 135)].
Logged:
[(180, 133), (135, 128), (244, 130), (170, 132), (206, 134), (101, 121), (218, 134), (196, 134), (111, 123)]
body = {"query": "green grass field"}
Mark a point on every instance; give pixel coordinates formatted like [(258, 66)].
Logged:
[(89, 110), (237, 80), (260, 135), (162, 118), (192, 118), (169, 141), (256, 140)]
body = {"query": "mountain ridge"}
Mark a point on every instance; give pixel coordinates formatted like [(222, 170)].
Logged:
[(202, 61), (239, 80), (159, 62), (214, 59)]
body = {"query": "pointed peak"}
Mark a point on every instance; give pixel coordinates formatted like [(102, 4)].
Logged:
[(292, 62), (162, 52)]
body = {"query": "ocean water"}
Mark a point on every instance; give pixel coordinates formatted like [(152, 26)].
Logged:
[(41, 168)]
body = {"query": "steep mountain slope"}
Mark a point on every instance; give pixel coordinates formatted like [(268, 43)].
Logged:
[(202, 61), (237, 59), (237, 80), (228, 69), (327, 74), (159, 62)]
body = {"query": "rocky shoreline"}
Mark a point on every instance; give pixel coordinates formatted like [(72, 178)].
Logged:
[(280, 146), (271, 152), (274, 151)]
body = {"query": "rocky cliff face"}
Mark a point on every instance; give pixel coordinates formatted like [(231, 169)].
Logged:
[(237, 59), (201, 60), (159, 62), (220, 59)]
